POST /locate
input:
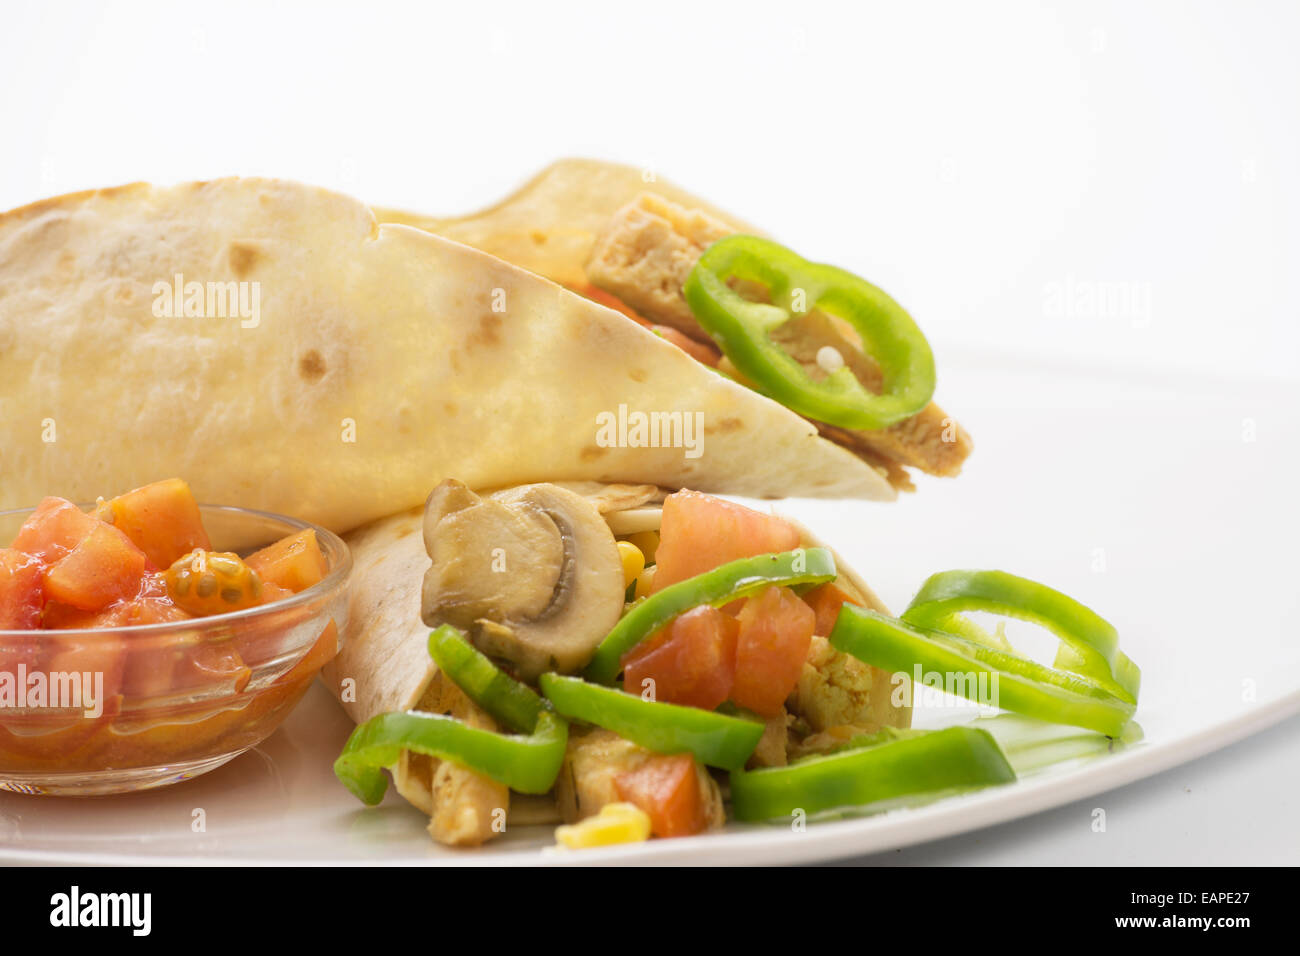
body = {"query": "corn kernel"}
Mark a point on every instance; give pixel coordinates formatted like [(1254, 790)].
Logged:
[(644, 582), (647, 542), (633, 561), (615, 823)]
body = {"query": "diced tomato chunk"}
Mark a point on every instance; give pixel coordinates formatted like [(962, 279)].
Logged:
[(54, 529), (149, 667), (668, 790), (294, 562), (60, 616), (20, 610), (20, 590), (700, 532), (105, 567), (211, 664), (100, 655), (776, 630), (318, 655), (696, 350), (610, 301), (150, 605), (162, 519), (826, 601), (692, 661)]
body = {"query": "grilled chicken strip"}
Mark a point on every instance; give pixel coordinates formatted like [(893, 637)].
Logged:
[(465, 808)]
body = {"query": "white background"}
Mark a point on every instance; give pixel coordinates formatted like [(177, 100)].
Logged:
[(1001, 169)]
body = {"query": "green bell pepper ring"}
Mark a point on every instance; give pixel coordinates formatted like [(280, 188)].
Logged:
[(1090, 644), (886, 767), (972, 670), (722, 585), (742, 329), (527, 762), (715, 740)]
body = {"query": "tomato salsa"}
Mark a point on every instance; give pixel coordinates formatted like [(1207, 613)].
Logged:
[(145, 558), (142, 558)]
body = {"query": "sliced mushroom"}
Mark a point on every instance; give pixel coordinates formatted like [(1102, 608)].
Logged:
[(531, 573)]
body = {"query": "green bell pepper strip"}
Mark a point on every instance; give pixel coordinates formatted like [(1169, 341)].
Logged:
[(1031, 744), (715, 740), (886, 767), (514, 704), (720, 586), (1010, 682), (527, 762), (1090, 644), (743, 330)]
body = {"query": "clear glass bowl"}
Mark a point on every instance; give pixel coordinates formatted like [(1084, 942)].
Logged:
[(176, 703)]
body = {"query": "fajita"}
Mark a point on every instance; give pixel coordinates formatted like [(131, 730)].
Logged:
[(632, 240)]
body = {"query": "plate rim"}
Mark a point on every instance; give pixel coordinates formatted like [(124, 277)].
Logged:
[(821, 842)]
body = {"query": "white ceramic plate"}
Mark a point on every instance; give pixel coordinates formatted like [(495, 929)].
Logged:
[(1167, 504)]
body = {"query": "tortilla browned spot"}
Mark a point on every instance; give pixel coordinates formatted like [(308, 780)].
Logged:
[(724, 426), (488, 332), (311, 367), (241, 258)]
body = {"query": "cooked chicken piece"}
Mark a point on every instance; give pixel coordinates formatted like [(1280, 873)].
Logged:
[(644, 257), (528, 809), (823, 742), (592, 762), (772, 746), (468, 808), (465, 808), (836, 690), (930, 440)]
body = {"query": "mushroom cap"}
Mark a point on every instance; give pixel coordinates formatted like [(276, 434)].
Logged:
[(532, 574)]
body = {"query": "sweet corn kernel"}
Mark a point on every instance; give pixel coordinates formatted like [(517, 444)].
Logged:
[(616, 823), (644, 582), (633, 561), (647, 542)]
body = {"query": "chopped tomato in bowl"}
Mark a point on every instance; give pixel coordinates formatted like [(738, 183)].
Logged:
[(148, 638)]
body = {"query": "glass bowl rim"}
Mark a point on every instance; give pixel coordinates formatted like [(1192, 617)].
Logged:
[(331, 583)]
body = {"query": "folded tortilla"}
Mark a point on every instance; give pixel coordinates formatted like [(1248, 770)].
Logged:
[(551, 223), (280, 349), (384, 663), (630, 239)]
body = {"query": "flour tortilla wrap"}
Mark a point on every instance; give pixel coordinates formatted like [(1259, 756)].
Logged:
[(355, 366), (550, 224), (629, 238), (384, 663)]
